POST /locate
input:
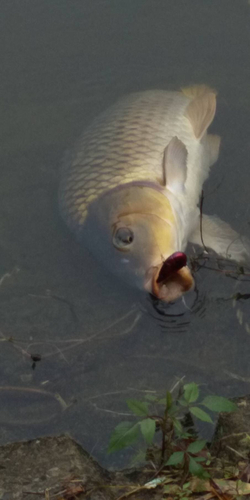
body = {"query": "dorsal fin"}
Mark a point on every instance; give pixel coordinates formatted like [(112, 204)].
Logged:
[(201, 110)]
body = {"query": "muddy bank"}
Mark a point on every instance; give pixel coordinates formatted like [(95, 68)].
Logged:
[(58, 468)]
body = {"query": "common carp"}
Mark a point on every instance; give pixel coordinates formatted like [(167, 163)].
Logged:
[(131, 189)]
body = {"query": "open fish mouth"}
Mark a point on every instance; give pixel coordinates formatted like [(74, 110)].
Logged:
[(172, 279)]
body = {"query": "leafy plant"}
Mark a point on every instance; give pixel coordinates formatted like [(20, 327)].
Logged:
[(179, 446)]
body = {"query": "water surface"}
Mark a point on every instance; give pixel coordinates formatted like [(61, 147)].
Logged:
[(100, 342)]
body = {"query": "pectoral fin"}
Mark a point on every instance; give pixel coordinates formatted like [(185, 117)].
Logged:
[(175, 165), (221, 238), (201, 110)]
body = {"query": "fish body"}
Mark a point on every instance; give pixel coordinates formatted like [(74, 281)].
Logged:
[(131, 189), (126, 143)]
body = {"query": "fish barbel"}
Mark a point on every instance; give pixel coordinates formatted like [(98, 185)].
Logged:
[(131, 188)]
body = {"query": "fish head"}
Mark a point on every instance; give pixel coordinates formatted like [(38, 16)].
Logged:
[(133, 231)]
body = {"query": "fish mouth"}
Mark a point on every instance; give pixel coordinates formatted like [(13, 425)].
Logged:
[(171, 279)]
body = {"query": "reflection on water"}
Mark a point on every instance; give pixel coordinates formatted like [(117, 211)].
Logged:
[(177, 316), (98, 341)]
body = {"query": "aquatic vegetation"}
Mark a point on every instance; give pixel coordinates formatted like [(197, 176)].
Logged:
[(180, 465), (172, 417)]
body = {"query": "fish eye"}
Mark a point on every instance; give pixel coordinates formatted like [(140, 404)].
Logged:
[(123, 237)]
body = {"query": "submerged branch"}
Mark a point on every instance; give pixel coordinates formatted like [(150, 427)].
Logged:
[(201, 212)]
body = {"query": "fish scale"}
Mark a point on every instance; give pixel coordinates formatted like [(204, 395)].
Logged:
[(124, 144)]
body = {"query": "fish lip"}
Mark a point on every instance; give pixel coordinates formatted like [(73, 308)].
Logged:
[(173, 285), (172, 264)]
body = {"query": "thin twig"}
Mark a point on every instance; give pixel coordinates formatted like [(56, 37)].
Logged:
[(107, 394), (129, 493), (236, 452), (201, 208), (163, 443), (236, 434), (177, 383), (227, 273), (111, 411), (35, 493), (8, 275)]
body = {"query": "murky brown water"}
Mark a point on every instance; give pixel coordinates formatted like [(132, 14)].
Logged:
[(61, 64)]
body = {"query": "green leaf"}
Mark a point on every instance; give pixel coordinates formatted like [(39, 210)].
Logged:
[(123, 435), (182, 402), (139, 408), (150, 397), (218, 403), (148, 429), (173, 410), (196, 446), (169, 400), (177, 425), (191, 392), (200, 459), (186, 435), (196, 469), (200, 414), (176, 458)]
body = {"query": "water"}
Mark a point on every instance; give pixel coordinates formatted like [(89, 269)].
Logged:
[(100, 342)]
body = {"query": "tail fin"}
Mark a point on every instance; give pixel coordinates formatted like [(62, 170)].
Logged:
[(197, 90), (221, 238)]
